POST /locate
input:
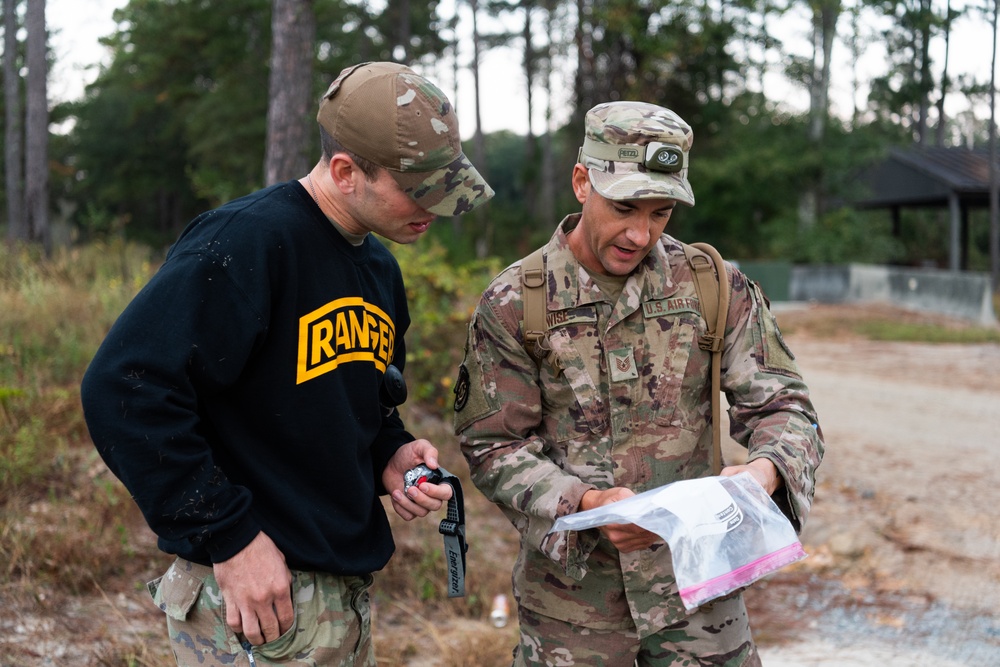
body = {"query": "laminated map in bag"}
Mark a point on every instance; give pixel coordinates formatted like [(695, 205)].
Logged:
[(724, 533)]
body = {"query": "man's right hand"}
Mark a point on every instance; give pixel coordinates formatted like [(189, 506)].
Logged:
[(626, 537), (256, 587)]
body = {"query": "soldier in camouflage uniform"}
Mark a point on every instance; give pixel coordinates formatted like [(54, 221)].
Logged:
[(238, 396), (619, 403)]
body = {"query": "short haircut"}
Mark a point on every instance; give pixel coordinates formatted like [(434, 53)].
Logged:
[(331, 146)]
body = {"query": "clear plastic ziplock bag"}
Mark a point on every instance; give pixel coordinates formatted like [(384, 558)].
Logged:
[(724, 533)]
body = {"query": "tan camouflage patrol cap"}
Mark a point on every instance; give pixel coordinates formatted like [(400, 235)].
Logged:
[(637, 150), (388, 114)]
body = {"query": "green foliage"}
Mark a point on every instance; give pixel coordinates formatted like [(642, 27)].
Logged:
[(176, 125), (663, 51), (442, 296), (743, 179), (926, 333), (348, 31), (840, 237), (757, 183), (899, 93), (507, 227)]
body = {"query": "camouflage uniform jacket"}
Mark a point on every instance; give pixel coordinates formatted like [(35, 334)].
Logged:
[(623, 399)]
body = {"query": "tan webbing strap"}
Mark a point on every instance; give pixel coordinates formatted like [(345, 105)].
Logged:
[(713, 295), (533, 280)]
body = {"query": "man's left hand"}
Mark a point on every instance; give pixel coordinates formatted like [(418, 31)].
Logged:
[(762, 470)]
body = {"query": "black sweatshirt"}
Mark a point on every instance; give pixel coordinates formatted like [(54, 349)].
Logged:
[(239, 391)]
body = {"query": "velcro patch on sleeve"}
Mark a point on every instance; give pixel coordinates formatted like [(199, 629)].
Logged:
[(771, 347), (476, 387)]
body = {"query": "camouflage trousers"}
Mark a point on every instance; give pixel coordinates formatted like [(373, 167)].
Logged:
[(332, 621), (716, 634)]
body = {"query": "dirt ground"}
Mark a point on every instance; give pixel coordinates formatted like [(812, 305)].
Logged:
[(903, 540)]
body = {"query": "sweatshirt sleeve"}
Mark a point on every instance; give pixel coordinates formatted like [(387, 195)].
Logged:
[(190, 330)]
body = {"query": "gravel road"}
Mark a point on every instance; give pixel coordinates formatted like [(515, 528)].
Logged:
[(904, 538)]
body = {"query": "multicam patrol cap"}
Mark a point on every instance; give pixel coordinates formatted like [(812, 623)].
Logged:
[(636, 150), (388, 114)]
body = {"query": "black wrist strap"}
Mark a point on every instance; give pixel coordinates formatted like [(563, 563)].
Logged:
[(453, 529)]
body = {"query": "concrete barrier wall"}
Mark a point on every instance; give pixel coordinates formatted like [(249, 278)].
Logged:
[(958, 294), (826, 284)]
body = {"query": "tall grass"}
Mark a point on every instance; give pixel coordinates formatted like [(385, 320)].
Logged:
[(53, 315), (66, 524)]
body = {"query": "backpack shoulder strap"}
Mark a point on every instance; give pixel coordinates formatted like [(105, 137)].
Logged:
[(712, 285), (533, 294)]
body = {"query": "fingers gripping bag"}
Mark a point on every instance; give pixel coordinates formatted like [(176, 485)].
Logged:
[(724, 533)]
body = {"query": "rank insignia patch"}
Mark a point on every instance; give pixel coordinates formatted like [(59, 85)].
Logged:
[(622, 365)]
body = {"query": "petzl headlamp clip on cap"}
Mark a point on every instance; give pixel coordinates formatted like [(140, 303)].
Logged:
[(655, 156)]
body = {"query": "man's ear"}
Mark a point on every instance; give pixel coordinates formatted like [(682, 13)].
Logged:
[(344, 173), (581, 183)]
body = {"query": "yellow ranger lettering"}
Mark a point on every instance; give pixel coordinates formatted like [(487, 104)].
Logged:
[(359, 328), (341, 331), (322, 334)]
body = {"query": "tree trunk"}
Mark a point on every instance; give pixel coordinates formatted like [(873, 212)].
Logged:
[(939, 138), (994, 180), (584, 82), (529, 171), (547, 209), (403, 34), (293, 36), (923, 103), (36, 164), (825, 16), (855, 46), (456, 220), (17, 224), (484, 240)]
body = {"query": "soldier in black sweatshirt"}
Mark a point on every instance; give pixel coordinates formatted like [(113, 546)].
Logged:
[(237, 396)]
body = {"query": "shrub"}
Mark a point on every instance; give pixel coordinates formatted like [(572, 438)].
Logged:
[(441, 296)]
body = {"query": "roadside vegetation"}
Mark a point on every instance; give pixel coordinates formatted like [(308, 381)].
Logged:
[(885, 323), (74, 550), (927, 333)]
